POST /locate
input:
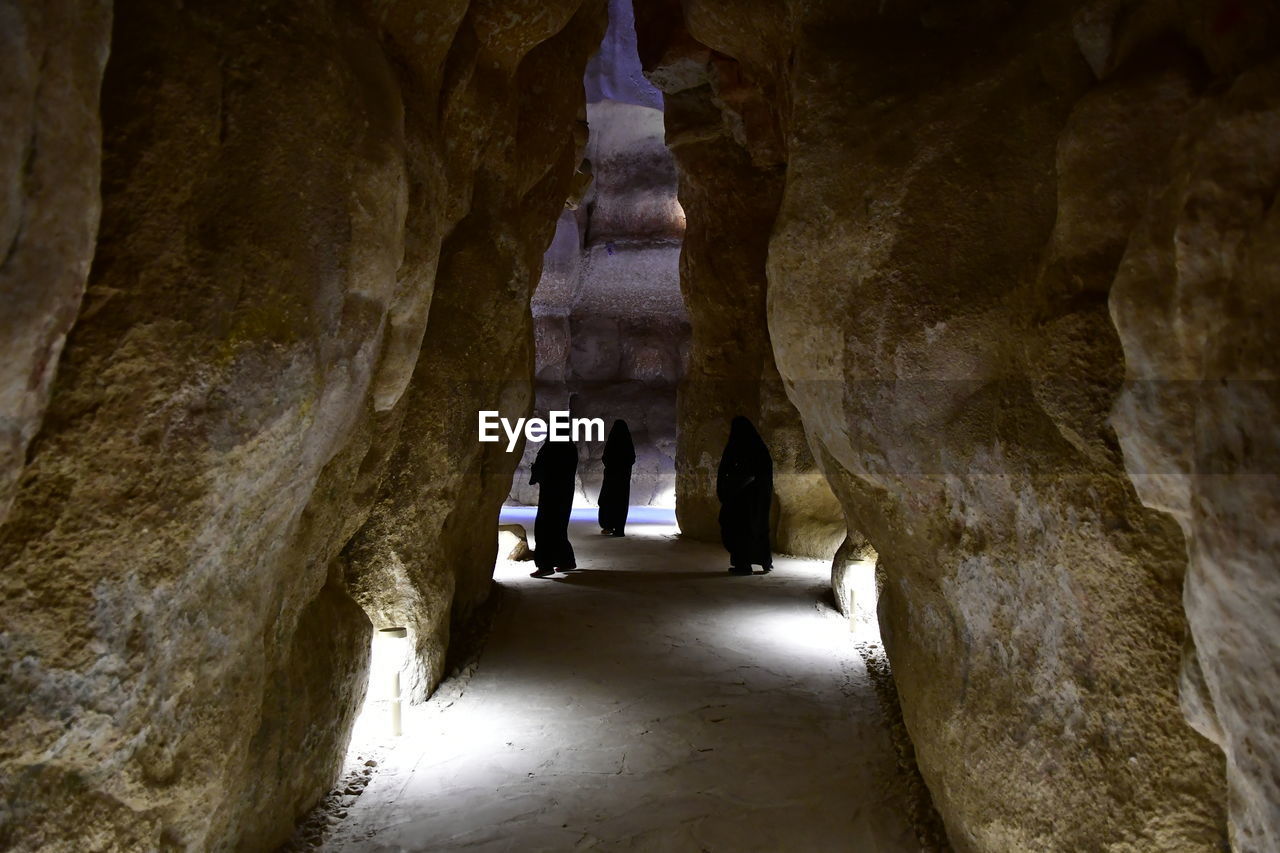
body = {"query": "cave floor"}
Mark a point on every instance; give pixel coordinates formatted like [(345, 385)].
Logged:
[(648, 701)]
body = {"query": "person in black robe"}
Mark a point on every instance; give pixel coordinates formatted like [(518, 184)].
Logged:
[(744, 485), (553, 472), (615, 492)]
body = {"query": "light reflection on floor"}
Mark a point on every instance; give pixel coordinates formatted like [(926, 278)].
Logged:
[(651, 521), (647, 701)]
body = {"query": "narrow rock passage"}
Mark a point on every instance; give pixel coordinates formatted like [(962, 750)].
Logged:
[(648, 701)]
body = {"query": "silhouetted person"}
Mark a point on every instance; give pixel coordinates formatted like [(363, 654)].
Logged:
[(744, 485), (615, 492), (553, 474)]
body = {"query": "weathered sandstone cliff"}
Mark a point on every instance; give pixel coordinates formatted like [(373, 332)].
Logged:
[(730, 196), (51, 60), (293, 194), (966, 194)]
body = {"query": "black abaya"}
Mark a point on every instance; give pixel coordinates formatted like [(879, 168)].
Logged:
[(553, 472), (744, 485), (615, 492)]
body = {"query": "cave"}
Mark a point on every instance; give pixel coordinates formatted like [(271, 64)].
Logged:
[(992, 282)]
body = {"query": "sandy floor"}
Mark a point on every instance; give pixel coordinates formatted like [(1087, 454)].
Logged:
[(649, 701)]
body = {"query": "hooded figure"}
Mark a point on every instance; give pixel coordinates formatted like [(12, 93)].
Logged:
[(744, 485), (553, 472), (615, 492)]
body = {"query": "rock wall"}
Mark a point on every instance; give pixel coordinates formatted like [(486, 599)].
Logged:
[(284, 188), (1195, 301), (51, 59), (964, 192), (731, 197), (425, 556)]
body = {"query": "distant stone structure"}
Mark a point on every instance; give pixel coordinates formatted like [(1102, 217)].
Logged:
[(610, 325)]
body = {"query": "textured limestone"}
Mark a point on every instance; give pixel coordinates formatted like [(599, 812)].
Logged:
[(51, 60), (1197, 309), (513, 543), (182, 654), (961, 186), (731, 198), (418, 560), (615, 72)]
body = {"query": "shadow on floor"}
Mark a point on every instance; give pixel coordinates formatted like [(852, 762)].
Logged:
[(602, 576)]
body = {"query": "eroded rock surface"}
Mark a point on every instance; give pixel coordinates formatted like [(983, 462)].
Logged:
[(1196, 305), (284, 190), (421, 559), (52, 56), (731, 197), (961, 188)]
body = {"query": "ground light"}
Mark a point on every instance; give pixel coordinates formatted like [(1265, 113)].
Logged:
[(390, 647), (774, 634), (860, 592), (642, 521), (646, 701)]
